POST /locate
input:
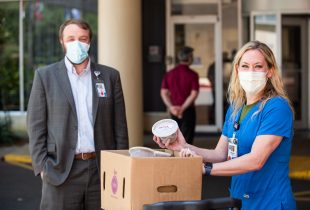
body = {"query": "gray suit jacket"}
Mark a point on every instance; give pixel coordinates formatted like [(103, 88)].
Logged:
[(52, 119)]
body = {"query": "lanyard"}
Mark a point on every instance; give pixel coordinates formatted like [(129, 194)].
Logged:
[(233, 141), (237, 121)]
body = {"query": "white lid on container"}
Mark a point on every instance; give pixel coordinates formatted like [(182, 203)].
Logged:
[(164, 128)]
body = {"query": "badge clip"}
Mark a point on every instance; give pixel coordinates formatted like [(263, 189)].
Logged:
[(97, 73), (236, 126)]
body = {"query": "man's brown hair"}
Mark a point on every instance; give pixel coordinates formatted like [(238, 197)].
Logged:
[(81, 23)]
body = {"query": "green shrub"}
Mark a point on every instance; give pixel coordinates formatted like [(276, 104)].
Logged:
[(6, 135)]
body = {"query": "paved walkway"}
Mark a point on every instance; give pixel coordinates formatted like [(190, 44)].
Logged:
[(213, 187)]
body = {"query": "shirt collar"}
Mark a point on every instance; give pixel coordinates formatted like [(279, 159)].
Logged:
[(71, 68)]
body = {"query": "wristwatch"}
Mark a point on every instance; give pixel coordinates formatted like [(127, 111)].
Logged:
[(208, 167)]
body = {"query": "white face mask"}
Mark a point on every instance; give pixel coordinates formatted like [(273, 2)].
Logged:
[(77, 51), (252, 82)]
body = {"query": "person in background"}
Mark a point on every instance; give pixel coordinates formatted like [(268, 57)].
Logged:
[(179, 90), (255, 145), (76, 109)]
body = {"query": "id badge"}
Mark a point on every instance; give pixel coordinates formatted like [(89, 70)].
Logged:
[(232, 148), (101, 91)]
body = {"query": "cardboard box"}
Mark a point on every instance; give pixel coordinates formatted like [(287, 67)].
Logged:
[(127, 183)]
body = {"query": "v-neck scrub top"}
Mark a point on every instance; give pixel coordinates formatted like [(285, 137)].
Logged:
[(270, 187)]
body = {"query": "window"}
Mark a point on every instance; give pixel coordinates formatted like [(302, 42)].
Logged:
[(41, 21)]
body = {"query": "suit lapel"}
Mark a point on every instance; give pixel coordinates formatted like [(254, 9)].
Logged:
[(64, 83), (95, 95)]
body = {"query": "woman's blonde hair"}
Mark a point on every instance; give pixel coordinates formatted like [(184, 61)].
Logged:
[(274, 85)]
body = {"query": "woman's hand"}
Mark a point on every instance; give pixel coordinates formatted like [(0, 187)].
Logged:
[(178, 144), (158, 141), (186, 152)]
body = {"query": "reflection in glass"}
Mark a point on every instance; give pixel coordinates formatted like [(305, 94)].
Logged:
[(265, 30), (41, 42), (9, 58)]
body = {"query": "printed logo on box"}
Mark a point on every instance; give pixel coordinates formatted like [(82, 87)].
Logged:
[(114, 183)]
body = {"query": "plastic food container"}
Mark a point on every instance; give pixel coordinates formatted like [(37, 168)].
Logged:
[(147, 152), (165, 129)]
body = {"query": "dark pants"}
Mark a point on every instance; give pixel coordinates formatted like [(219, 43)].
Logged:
[(81, 190), (187, 124)]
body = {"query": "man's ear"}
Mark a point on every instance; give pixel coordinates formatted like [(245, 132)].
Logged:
[(62, 45)]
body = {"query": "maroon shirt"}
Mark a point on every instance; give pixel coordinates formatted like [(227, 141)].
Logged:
[(180, 81)]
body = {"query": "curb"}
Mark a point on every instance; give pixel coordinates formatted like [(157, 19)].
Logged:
[(23, 161), (300, 167), (17, 158)]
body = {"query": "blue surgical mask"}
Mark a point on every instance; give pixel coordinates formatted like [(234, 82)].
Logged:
[(77, 51)]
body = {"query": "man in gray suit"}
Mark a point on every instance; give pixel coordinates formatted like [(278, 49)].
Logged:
[(76, 108)]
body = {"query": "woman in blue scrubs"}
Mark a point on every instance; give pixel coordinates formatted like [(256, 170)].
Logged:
[(255, 145)]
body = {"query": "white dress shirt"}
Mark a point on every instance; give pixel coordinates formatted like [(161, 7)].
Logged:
[(81, 86)]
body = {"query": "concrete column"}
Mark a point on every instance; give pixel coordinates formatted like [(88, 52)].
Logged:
[(119, 46)]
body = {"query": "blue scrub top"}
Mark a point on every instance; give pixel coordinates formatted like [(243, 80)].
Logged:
[(270, 187)]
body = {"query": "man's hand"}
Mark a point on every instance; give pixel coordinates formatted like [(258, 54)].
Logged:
[(175, 110)]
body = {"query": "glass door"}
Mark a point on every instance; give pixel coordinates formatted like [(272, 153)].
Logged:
[(196, 24), (266, 28), (295, 64), (287, 36)]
